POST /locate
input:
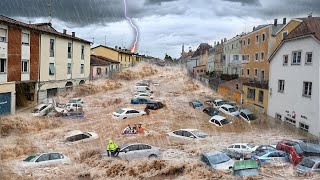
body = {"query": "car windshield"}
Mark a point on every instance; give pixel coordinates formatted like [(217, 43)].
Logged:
[(221, 103), (251, 116), (218, 158), (30, 158), (200, 134), (73, 101), (232, 110), (298, 149), (307, 163), (120, 111), (197, 104), (225, 121), (246, 172)]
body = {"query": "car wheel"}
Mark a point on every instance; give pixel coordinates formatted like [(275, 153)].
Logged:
[(153, 156)]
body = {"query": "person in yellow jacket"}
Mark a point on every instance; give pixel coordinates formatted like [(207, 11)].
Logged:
[(112, 148)]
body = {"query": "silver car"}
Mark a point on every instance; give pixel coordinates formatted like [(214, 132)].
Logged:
[(308, 166), (217, 160), (44, 159), (138, 150)]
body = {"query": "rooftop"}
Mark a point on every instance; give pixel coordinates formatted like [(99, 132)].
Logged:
[(309, 26), (202, 49), (101, 61), (232, 85)]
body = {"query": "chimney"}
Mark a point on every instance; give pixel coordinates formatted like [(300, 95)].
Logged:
[(284, 20), (275, 22), (73, 34), (221, 41), (64, 31), (225, 39), (119, 47), (310, 15)]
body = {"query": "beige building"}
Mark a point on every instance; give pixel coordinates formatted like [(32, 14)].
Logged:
[(64, 62), (101, 67)]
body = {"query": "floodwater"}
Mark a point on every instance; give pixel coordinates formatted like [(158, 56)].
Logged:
[(22, 134)]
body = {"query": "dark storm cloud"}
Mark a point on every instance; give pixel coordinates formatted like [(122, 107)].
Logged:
[(246, 2)]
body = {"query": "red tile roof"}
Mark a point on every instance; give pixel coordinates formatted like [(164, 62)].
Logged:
[(309, 26), (101, 61)]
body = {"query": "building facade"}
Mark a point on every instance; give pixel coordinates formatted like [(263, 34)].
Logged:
[(210, 66), (101, 67), (232, 52), (219, 57), (294, 78)]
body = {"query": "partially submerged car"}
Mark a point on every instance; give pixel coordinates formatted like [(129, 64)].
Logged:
[(42, 110), (140, 101), (263, 148), (247, 115), (245, 168), (127, 113), (219, 121), (308, 166), (242, 148), (44, 159), (75, 114), (217, 160), (270, 156), (217, 103), (155, 105), (74, 107), (188, 134), (75, 101), (236, 155), (144, 95), (196, 104), (211, 111), (79, 136), (229, 110)]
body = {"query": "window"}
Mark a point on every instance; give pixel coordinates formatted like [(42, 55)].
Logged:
[(309, 58), (285, 60), (51, 47), (290, 121), (257, 39), (251, 94), (296, 58), (98, 71), (237, 146), (245, 57), (44, 157), (125, 58), (231, 46), (25, 38), (3, 35), (284, 34), (260, 98), (248, 72), (236, 57), (281, 86), (82, 52), (25, 66), (255, 72), (263, 37), (3, 65), (262, 56), (121, 57), (244, 42), (106, 71), (82, 69), (69, 71), (304, 127), (54, 156), (69, 50), (129, 58), (248, 41), (307, 88), (51, 69), (256, 56), (242, 72), (262, 75)]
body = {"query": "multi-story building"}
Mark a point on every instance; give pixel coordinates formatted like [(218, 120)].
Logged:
[(210, 66), (294, 78), (199, 58), (219, 57), (101, 67), (232, 52), (256, 48), (19, 58), (64, 61)]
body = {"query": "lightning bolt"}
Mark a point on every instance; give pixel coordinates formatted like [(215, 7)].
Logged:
[(133, 49)]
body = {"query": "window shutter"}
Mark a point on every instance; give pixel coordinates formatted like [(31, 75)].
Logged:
[(25, 38)]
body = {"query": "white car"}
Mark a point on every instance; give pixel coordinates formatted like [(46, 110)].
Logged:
[(42, 110), (217, 160), (75, 100), (144, 95), (127, 113), (229, 110), (247, 115), (242, 148), (79, 136), (218, 103), (74, 107), (219, 120), (146, 92), (138, 150), (188, 134), (44, 159)]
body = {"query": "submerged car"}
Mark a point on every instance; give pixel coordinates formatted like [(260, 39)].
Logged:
[(75, 101), (217, 160), (42, 110), (75, 114), (188, 134), (144, 95), (218, 103), (219, 121), (245, 168), (127, 113), (308, 166), (79, 136), (155, 105), (211, 111), (236, 155), (196, 104), (45, 159), (242, 148), (269, 156), (140, 101), (74, 107), (138, 150), (263, 148), (247, 115), (229, 110)]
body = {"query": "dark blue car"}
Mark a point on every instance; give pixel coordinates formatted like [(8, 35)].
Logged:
[(196, 104), (140, 101)]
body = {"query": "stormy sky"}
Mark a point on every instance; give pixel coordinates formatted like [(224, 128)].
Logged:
[(164, 25)]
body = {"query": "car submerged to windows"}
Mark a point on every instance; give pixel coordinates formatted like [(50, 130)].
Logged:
[(270, 156), (211, 111), (140, 101), (242, 148), (217, 160), (245, 168), (247, 115), (42, 110), (79, 136), (308, 166), (196, 104), (219, 121), (229, 110), (188, 134), (44, 159), (126, 113)]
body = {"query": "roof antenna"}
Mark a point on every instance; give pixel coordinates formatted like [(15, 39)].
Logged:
[(50, 10)]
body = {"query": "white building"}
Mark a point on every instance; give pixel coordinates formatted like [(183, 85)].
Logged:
[(232, 52), (210, 65), (294, 78)]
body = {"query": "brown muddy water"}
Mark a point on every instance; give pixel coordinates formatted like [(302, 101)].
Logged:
[(22, 134)]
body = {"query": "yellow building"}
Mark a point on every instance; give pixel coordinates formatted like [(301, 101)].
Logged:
[(255, 96)]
